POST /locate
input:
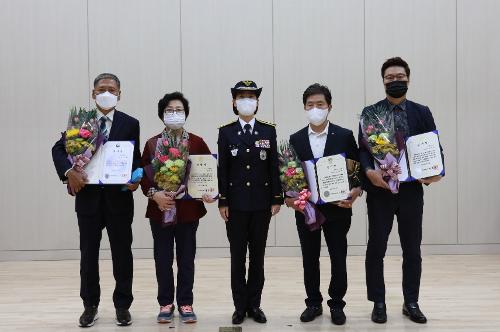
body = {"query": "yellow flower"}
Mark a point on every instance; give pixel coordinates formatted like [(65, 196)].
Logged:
[(381, 141), (70, 133), (174, 169)]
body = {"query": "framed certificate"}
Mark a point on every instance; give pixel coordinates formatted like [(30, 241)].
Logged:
[(327, 178), (111, 164), (424, 155), (202, 176)]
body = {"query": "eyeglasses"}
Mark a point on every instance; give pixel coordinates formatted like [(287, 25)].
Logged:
[(171, 111), (397, 77)]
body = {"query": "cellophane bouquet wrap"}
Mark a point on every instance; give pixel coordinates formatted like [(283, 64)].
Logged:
[(294, 184), (82, 137), (384, 143), (170, 165)]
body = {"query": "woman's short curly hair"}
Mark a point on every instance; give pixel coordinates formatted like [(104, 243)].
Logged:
[(162, 104)]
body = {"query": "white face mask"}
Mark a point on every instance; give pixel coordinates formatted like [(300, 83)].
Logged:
[(106, 100), (317, 116), (175, 120), (246, 106)]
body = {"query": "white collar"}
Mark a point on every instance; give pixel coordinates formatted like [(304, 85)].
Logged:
[(243, 123), (324, 132), (110, 115)]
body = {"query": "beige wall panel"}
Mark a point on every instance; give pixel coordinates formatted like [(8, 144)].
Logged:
[(318, 41), (423, 33), (43, 64), (478, 118), (223, 43), (140, 42)]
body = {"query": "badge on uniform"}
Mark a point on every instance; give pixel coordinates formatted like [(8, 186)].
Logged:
[(263, 154), (234, 152), (263, 143)]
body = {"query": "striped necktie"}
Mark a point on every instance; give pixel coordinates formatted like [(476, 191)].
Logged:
[(104, 128)]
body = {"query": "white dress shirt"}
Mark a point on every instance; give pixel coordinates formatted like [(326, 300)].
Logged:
[(318, 141), (251, 123)]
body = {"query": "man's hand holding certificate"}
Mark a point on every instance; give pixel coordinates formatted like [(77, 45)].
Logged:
[(327, 178), (112, 163), (425, 162)]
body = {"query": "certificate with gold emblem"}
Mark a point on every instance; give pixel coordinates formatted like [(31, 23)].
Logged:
[(202, 178), (111, 164), (328, 179)]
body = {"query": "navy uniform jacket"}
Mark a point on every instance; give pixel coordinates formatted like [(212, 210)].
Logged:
[(87, 201), (339, 140), (248, 175), (420, 121)]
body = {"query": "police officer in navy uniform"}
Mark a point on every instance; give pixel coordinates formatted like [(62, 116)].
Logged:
[(250, 193)]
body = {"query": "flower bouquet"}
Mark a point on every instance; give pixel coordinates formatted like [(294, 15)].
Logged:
[(170, 165), (82, 138), (294, 183), (384, 143)]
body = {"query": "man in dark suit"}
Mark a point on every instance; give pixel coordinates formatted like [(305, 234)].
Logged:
[(99, 207), (250, 193), (409, 119), (318, 139)]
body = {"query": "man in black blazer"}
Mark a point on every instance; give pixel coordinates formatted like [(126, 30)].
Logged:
[(409, 119), (322, 138), (99, 207)]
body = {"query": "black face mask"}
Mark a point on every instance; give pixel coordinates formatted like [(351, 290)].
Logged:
[(396, 89)]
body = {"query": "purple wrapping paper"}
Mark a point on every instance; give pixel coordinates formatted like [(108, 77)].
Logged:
[(312, 216), (390, 167), (170, 216)]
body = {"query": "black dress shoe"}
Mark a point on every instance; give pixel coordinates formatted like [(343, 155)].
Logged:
[(257, 314), (413, 311), (310, 313), (89, 316), (379, 313), (123, 317), (238, 317), (338, 316)]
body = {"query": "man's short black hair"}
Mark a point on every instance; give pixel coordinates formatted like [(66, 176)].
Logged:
[(107, 76), (317, 89), (395, 62), (162, 104)]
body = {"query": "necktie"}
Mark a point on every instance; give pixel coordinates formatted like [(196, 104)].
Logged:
[(248, 130), (103, 128)]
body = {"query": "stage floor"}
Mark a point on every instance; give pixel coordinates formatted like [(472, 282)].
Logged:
[(458, 293)]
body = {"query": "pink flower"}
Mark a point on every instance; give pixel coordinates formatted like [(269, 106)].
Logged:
[(174, 152), (163, 159), (165, 142), (84, 133), (185, 143), (290, 172), (369, 129)]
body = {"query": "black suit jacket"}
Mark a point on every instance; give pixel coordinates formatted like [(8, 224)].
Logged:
[(339, 140), (248, 175), (420, 121), (88, 200)]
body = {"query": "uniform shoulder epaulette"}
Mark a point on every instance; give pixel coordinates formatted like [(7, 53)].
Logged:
[(267, 123), (227, 124)]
